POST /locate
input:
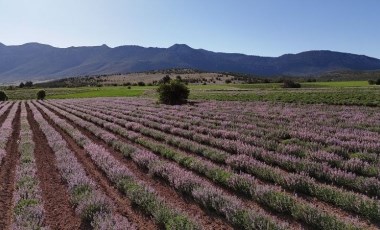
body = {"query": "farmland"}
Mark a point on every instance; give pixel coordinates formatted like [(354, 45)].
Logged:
[(333, 93), (135, 164)]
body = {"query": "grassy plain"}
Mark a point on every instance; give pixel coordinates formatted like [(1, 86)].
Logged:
[(345, 92)]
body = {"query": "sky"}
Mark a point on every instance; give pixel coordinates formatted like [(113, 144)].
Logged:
[(255, 27)]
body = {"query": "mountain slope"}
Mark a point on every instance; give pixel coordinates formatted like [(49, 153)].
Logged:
[(37, 61)]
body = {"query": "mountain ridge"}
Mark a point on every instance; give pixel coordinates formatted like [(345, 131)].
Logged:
[(35, 61)]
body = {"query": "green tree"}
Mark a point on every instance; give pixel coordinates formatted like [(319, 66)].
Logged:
[(28, 84), (3, 96), (290, 84), (173, 93), (41, 95), (165, 80)]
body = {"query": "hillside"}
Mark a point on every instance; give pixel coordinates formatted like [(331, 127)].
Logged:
[(34, 61)]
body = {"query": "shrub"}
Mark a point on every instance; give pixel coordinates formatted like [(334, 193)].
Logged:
[(290, 84), (28, 84), (377, 82), (228, 81), (22, 85), (41, 95), (3, 96), (173, 93), (371, 82), (140, 83), (165, 80)]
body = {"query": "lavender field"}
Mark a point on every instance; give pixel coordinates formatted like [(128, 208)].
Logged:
[(117, 163)]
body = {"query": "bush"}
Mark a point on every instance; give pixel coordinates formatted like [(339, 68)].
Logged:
[(290, 84), (22, 85), (371, 82), (173, 93), (41, 95), (165, 80), (140, 83), (3, 96), (28, 84), (228, 81), (377, 82)]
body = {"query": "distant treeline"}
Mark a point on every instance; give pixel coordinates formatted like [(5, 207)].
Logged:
[(98, 80)]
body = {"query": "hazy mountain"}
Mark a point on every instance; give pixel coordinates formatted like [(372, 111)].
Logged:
[(37, 61)]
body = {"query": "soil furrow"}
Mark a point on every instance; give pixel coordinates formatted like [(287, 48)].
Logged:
[(59, 212), (123, 206), (207, 219), (4, 115), (7, 174)]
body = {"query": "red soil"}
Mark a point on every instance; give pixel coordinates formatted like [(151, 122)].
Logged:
[(59, 212), (7, 173)]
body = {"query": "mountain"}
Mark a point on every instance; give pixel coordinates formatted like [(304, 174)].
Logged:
[(34, 61)]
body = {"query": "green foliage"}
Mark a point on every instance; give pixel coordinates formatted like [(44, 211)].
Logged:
[(290, 84), (165, 80), (173, 93), (23, 204), (41, 95), (3, 96), (28, 84), (149, 203), (371, 82)]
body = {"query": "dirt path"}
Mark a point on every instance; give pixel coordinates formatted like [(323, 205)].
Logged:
[(59, 213), (123, 206), (207, 220), (7, 173)]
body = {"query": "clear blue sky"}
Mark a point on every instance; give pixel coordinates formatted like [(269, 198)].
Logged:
[(265, 27)]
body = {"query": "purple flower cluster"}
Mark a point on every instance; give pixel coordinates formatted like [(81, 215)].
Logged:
[(6, 128), (117, 172), (320, 171), (84, 193), (29, 212), (204, 168)]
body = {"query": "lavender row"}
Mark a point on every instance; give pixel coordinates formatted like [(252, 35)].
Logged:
[(370, 186), (6, 129), (291, 147), (225, 205), (271, 197), (353, 165), (29, 211), (279, 117), (295, 182), (330, 132), (141, 194), (89, 202), (247, 128)]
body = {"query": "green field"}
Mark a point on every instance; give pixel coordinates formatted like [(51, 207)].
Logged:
[(345, 92), (81, 92)]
